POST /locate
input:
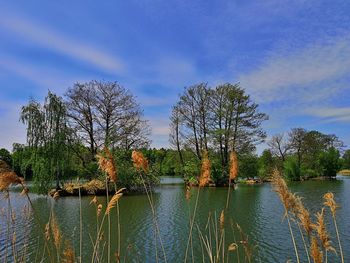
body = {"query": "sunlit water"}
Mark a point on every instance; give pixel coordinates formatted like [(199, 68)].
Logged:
[(256, 208)]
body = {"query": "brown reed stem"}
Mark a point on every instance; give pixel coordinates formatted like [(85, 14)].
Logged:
[(154, 216), (109, 225), (192, 223), (228, 193), (118, 223), (293, 239), (338, 237), (304, 242)]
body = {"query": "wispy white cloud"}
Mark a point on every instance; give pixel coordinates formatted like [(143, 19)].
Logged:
[(51, 39), (300, 72), (331, 114), (44, 78)]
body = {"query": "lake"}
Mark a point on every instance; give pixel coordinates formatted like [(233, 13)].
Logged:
[(256, 208)]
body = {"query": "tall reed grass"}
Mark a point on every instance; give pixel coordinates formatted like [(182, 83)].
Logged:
[(310, 237)]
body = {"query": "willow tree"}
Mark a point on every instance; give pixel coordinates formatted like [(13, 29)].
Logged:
[(47, 138)]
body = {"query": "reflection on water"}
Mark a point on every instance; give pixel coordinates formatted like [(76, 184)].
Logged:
[(256, 208)]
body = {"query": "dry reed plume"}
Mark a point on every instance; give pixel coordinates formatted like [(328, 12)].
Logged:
[(233, 166), (304, 217), (204, 178), (68, 254), (7, 178), (56, 233), (321, 231), (330, 202), (106, 163), (112, 203), (316, 253), (289, 200), (139, 161), (222, 220)]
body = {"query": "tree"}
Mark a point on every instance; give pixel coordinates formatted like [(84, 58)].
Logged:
[(329, 162), (193, 109), (297, 143), (106, 114), (175, 136), (236, 121), (266, 164), (47, 138), (248, 166), (346, 160), (80, 101), (5, 155), (280, 146)]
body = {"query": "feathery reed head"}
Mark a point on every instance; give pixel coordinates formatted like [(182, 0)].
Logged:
[(204, 178), (56, 233), (7, 178), (304, 217), (99, 209), (316, 253), (330, 202), (114, 200), (222, 220), (322, 233), (94, 200), (68, 253), (233, 166), (106, 163), (139, 161), (289, 200)]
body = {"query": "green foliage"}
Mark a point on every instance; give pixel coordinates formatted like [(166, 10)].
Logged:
[(5, 155), (43, 177), (266, 165), (248, 166), (291, 169), (346, 160), (329, 162)]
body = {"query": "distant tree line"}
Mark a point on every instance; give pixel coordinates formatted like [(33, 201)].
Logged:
[(64, 134)]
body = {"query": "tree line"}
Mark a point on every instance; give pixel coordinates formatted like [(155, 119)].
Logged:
[(64, 134)]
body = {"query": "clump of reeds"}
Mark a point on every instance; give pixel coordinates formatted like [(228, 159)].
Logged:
[(323, 235), (68, 253), (106, 163), (333, 206), (289, 201), (7, 178), (139, 161)]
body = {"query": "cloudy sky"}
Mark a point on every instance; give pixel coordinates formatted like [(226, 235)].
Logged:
[(292, 57)]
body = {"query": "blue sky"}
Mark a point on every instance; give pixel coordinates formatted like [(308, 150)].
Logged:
[(292, 57)]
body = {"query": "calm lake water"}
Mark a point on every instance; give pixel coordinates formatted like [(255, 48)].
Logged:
[(256, 208)]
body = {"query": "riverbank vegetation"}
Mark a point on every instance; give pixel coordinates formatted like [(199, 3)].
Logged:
[(64, 135)]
